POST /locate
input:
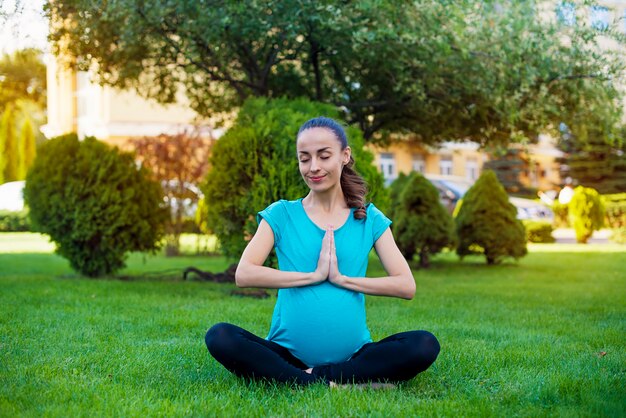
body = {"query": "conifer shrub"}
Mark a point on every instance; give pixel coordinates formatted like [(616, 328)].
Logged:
[(486, 222), (421, 224), (586, 213), (94, 203), (255, 164)]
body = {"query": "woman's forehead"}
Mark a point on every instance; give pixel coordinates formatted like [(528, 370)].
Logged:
[(317, 138)]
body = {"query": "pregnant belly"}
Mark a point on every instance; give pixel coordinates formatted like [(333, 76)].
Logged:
[(320, 324)]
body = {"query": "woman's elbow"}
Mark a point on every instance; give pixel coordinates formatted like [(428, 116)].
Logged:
[(409, 290), (240, 276)]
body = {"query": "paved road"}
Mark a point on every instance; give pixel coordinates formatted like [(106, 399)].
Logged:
[(568, 236)]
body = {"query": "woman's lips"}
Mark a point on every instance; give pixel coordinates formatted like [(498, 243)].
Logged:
[(317, 179)]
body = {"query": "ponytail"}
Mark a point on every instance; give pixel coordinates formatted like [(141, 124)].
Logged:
[(354, 189)]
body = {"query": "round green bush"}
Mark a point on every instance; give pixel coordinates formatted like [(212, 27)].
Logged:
[(421, 224), (487, 223), (255, 164), (94, 203), (586, 212), (539, 232)]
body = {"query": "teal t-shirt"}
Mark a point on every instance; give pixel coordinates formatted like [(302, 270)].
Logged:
[(323, 323)]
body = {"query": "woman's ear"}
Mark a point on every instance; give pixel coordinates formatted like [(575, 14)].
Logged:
[(347, 153)]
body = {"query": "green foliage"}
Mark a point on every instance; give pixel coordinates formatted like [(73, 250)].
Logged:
[(538, 232), (561, 214), (255, 164), (10, 151), (27, 148), (420, 222), (508, 164), (478, 70), (586, 212), (487, 223), (23, 77), (596, 158), (14, 221), (94, 203), (615, 210)]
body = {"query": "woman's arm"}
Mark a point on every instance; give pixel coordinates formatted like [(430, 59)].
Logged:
[(400, 282), (251, 272)]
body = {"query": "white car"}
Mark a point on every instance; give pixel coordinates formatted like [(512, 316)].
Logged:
[(12, 196), (452, 188)]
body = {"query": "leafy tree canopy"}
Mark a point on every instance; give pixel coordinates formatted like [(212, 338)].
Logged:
[(22, 77), (487, 71)]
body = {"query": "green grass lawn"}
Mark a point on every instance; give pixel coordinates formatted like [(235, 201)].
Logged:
[(545, 336)]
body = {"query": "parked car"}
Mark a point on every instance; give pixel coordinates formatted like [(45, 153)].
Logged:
[(453, 188), (11, 196)]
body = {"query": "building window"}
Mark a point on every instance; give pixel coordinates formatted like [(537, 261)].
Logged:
[(419, 164), (388, 167), (445, 165), (566, 13), (471, 169), (600, 17)]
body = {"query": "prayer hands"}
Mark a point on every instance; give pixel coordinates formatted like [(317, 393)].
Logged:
[(327, 265)]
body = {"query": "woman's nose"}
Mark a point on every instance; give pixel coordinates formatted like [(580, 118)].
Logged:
[(314, 164)]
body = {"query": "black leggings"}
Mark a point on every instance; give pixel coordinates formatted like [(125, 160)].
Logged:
[(396, 358)]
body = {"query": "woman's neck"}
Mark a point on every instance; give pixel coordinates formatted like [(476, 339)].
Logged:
[(328, 201)]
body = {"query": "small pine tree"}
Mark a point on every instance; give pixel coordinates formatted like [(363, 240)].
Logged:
[(586, 212), (11, 149), (395, 190), (421, 224), (487, 222), (27, 148)]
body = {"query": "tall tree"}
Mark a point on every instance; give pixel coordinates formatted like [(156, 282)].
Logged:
[(595, 159), (26, 147), (23, 77), (487, 71), (10, 141)]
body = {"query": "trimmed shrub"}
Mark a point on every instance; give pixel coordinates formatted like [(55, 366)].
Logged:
[(561, 217), (255, 164), (421, 224), (615, 210), (486, 222), (94, 202), (539, 232), (14, 221), (586, 213)]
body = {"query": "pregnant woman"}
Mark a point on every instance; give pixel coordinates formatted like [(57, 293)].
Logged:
[(319, 331)]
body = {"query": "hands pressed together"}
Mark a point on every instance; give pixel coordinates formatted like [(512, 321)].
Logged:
[(327, 266)]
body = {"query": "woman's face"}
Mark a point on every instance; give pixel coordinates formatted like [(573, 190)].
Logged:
[(321, 158)]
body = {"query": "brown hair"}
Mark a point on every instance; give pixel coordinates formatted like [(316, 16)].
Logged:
[(352, 184), (354, 189)]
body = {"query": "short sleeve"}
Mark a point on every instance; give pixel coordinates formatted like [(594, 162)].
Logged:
[(378, 220), (273, 214)]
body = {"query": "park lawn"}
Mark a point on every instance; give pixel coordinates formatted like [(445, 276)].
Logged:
[(544, 336)]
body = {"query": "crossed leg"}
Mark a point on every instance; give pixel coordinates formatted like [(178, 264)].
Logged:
[(396, 358)]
